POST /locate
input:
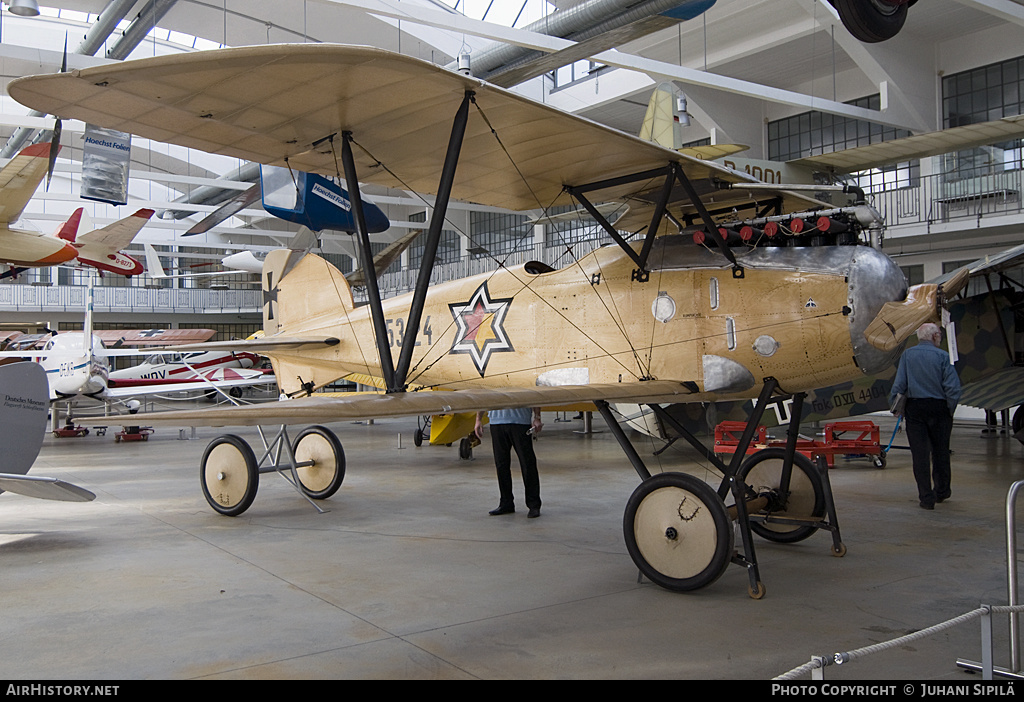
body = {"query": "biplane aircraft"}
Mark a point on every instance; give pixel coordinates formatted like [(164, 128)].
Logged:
[(754, 311)]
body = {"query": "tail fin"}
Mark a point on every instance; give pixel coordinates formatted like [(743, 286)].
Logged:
[(153, 267), (660, 121), (302, 293), (69, 230)]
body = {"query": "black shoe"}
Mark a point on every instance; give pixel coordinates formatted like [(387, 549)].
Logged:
[(501, 509), (927, 505), (534, 513), (943, 498)]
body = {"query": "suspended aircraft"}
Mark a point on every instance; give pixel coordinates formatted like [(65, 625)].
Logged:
[(655, 319), (23, 415), (21, 249)]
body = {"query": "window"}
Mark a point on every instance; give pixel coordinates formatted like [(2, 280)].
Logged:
[(495, 234), (447, 248), (982, 95), (571, 231), (914, 274), (816, 133)]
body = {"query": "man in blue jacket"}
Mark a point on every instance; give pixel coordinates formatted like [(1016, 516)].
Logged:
[(514, 429), (932, 388)]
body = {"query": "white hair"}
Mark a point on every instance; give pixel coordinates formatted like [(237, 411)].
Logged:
[(927, 331)]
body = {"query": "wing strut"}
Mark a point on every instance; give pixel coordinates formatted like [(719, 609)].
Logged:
[(387, 366), (672, 173), (395, 378), (437, 217)]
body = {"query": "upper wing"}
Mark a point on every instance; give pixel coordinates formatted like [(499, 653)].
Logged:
[(1010, 258), (289, 105), (116, 236), (314, 409), (20, 178), (918, 146)]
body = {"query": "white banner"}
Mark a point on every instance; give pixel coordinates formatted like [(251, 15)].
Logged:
[(105, 161)]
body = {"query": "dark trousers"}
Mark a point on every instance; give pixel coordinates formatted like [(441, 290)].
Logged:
[(505, 438), (929, 425)]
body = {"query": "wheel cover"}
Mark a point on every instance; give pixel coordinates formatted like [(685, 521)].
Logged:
[(227, 475), (316, 448), (695, 542)]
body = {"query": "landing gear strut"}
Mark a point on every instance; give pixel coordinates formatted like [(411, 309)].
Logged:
[(230, 474), (679, 530)]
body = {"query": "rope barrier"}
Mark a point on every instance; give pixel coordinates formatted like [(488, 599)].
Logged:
[(840, 658)]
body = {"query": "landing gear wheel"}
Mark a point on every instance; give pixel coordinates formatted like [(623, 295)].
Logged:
[(872, 21), (228, 475), (763, 471), (678, 532), (465, 449), (417, 437), (320, 445)]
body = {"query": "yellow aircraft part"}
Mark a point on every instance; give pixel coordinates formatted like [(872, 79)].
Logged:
[(449, 428)]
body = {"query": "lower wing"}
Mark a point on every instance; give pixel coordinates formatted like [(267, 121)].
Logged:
[(317, 410)]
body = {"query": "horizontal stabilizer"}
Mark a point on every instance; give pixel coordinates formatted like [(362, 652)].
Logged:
[(44, 488), (118, 235)]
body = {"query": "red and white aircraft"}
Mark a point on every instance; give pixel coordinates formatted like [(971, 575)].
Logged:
[(21, 249), (171, 371)]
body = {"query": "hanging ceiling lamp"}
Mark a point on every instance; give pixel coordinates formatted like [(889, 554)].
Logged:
[(24, 8)]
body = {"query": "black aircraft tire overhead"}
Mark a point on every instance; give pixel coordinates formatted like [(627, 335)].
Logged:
[(807, 496), (320, 445), (229, 475), (678, 532), (871, 21)]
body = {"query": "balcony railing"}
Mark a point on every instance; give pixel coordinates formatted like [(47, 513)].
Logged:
[(65, 298), (945, 198)]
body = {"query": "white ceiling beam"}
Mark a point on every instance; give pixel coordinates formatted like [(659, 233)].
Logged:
[(660, 70), (1003, 9)]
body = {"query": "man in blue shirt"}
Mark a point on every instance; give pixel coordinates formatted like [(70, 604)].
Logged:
[(932, 388), (514, 429)]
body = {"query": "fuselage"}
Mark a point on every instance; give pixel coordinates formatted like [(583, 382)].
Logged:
[(23, 248), (796, 314), (168, 369), (72, 369)]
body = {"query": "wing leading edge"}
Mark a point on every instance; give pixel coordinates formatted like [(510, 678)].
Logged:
[(315, 410)]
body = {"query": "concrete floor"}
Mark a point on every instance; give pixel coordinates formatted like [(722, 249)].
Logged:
[(408, 577)]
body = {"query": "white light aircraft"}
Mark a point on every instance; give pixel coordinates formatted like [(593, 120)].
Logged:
[(653, 320)]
